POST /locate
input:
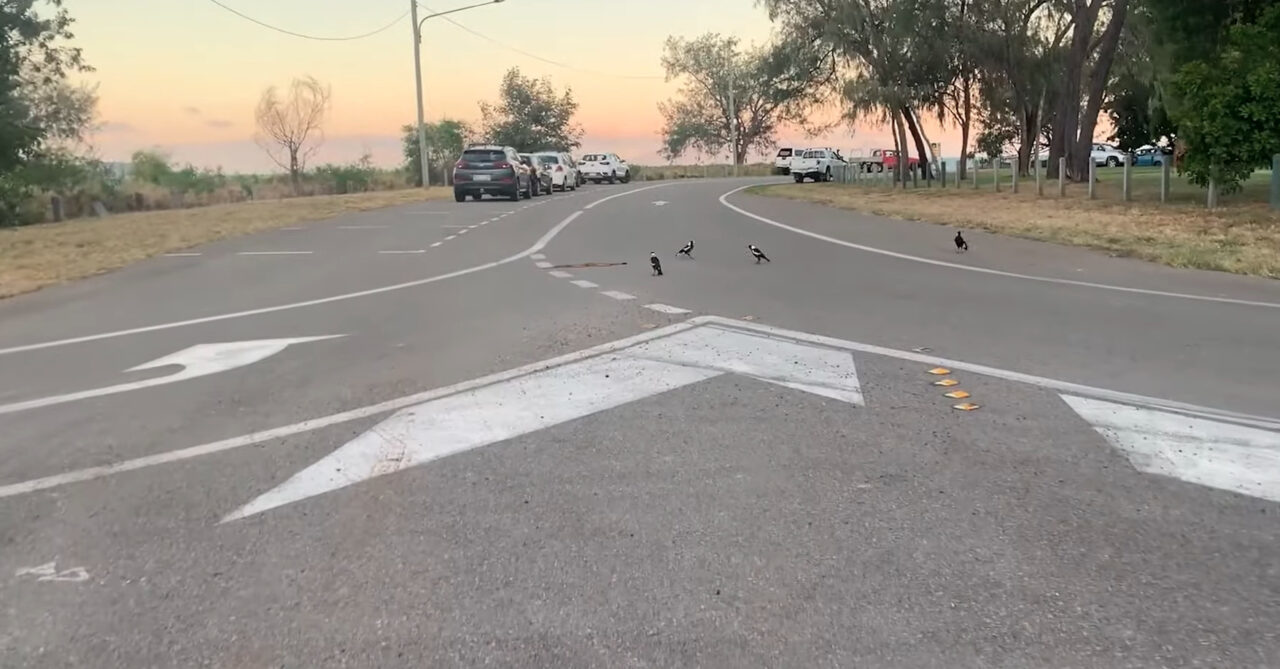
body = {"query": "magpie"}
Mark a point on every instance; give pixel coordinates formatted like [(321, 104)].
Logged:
[(657, 264), (755, 251), (686, 250), (961, 244)]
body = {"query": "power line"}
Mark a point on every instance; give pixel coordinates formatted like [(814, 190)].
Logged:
[(540, 58), (311, 37)]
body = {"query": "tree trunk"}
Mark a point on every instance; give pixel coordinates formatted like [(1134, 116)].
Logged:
[(899, 146), (921, 152), (1098, 87), (1067, 124), (966, 120), (295, 179)]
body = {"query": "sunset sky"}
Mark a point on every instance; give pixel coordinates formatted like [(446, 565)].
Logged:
[(184, 75)]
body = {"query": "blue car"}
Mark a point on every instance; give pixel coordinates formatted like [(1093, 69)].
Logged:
[(1151, 156)]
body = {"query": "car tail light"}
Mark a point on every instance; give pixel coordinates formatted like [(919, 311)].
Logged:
[(460, 165), (559, 168), (501, 166)]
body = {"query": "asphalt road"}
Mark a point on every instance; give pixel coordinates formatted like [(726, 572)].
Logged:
[(761, 473)]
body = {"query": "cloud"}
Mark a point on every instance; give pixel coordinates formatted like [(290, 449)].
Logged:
[(194, 111), (218, 123), (116, 127)]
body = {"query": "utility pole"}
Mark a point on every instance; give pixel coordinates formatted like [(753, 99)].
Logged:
[(417, 77)]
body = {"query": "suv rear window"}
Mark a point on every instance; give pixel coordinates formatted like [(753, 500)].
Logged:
[(594, 157), (484, 155), (784, 153)]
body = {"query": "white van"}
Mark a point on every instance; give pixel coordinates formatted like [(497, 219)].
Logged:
[(782, 162)]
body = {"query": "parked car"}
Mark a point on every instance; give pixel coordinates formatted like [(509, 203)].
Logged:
[(782, 161), (539, 178), (559, 170), (489, 169), (598, 167), (1149, 156), (1106, 154), (816, 164)]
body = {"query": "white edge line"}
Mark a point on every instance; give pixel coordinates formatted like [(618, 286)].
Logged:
[(983, 270), (617, 295), (583, 283), (92, 473), (560, 275), (666, 308), (537, 246)]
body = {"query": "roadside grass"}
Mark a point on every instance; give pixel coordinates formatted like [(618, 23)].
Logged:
[(707, 171), (35, 256), (1242, 236)]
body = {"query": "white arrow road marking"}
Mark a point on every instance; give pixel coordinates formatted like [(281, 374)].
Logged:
[(1219, 455), (660, 202), (49, 572), (506, 410), (198, 360)]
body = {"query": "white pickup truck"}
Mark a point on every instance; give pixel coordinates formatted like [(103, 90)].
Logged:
[(817, 164), (598, 167)]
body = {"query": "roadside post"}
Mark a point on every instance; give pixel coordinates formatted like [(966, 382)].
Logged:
[(1016, 169), (1275, 182), (1164, 179), (1128, 162), (995, 174), (1039, 176), (1093, 178), (1062, 177)]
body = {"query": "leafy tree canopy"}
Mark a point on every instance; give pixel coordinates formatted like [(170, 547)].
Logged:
[(531, 116)]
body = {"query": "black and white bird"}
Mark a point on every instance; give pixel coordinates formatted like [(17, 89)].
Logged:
[(759, 255), (655, 263), (961, 244), (686, 250)]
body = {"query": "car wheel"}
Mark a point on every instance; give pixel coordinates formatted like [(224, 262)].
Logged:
[(477, 196), (459, 196), (626, 177), (827, 175), (613, 177), (879, 167), (515, 194), (799, 178), (1113, 161)]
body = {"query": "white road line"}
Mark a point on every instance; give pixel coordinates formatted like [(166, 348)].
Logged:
[(462, 232), (617, 295), (450, 237), (666, 308), (483, 223), (180, 255), (560, 275), (436, 244), (583, 283), (472, 227), (403, 252), (542, 264), (538, 245), (538, 256), (91, 473), (983, 270), (275, 253)]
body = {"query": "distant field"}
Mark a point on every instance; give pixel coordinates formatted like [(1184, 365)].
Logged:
[(35, 256), (1242, 236)]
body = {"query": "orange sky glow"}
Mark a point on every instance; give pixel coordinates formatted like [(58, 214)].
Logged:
[(184, 76)]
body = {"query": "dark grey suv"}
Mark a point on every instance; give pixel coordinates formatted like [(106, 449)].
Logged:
[(490, 169)]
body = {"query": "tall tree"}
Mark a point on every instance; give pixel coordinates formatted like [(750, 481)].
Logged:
[(755, 91), (445, 142), (531, 116), (291, 125)]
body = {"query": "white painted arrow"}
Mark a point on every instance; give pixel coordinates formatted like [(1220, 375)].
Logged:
[(660, 202), (1211, 453), (199, 360), (516, 406)]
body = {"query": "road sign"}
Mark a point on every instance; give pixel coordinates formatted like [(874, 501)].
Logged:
[(199, 360), (507, 409)]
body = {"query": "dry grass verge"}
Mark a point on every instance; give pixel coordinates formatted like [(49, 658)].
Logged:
[(36, 256), (1244, 239)]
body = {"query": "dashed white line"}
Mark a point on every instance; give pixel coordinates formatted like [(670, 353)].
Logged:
[(462, 232), (180, 255), (542, 264), (617, 295), (450, 237), (560, 275), (473, 227), (403, 252), (583, 283), (666, 308), (436, 244), (275, 253), (539, 256)]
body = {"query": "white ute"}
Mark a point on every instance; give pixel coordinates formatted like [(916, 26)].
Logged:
[(816, 164), (609, 167)]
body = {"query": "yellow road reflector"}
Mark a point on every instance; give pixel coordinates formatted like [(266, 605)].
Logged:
[(939, 371), (946, 383), (958, 394), (965, 406)]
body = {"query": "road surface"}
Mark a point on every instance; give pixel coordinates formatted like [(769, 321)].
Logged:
[(484, 434)]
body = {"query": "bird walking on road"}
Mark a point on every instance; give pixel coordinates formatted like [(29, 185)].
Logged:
[(961, 244), (655, 263), (686, 250), (759, 255)]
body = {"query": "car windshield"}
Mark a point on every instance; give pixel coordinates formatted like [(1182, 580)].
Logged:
[(549, 160), (484, 155)]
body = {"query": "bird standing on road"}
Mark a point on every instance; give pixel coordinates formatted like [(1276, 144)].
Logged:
[(657, 264), (686, 250), (755, 251), (961, 244)]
